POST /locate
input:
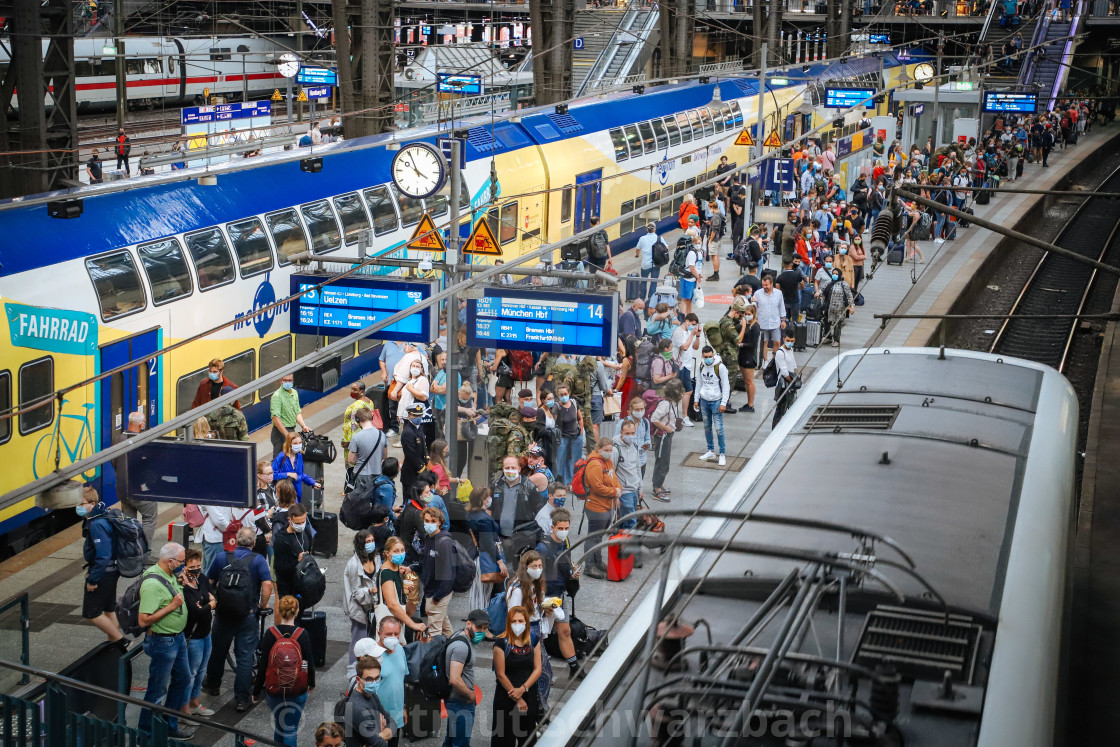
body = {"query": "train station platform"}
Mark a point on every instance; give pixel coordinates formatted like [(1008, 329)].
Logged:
[(51, 572)]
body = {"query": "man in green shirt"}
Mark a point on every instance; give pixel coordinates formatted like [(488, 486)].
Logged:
[(286, 413), (163, 614)]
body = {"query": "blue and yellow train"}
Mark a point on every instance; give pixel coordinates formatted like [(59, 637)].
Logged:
[(162, 261)]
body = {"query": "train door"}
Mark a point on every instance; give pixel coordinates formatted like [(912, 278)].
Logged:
[(170, 63), (589, 190), (132, 390)]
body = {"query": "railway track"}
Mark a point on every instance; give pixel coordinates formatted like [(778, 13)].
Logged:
[(1059, 285)]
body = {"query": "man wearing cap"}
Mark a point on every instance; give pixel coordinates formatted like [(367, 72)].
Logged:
[(644, 251), (414, 446)]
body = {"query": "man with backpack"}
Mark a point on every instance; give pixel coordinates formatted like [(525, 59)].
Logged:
[(243, 587), (653, 253), (598, 248), (459, 655), (361, 714), (287, 671), (100, 592), (162, 614), (366, 452), (437, 571), (713, 391)]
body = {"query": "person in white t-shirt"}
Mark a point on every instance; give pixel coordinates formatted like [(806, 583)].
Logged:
[(686, 341)]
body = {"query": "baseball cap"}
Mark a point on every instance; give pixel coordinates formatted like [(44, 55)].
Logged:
[(535, 450)]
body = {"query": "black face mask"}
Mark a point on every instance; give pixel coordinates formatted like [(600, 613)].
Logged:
[(192, 575)]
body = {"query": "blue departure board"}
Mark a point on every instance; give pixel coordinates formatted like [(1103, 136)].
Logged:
[(543, 321), (844, 98), (352, 303), (1007, 101)]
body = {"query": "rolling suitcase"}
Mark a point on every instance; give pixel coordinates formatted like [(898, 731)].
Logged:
[(325, 525), (800, 335), (314, 624), (620, 562), (812, 334), (423, 714), (964, 222), (982, 198), (896, 253), (634, 288)]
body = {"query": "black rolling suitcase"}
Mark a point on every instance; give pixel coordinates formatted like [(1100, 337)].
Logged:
[(896, 253), (315, 625), (325, 525), (964, 222), (982, 198), (800, 335), (423, 714)]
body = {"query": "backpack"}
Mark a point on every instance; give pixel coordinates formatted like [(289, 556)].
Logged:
[(235, 588), (434, 681), (356, 511), (498, 609), (597, 249), (130, 544), (229, 534), (285, 674), (521, 362), (713, 334), (580, 488), (128, 606), (660, 253), (311, 584), (652, 400), (643, 359), (679, 264), (463, 566), (770, 373), (193, 515)]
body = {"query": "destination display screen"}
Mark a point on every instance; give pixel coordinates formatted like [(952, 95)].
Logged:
[(353, 303), (543, 321), (1003, 101), (844, 98)]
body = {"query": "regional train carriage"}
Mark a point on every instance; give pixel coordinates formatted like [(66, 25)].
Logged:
[(161, 262), (894, 569), (170, 71)]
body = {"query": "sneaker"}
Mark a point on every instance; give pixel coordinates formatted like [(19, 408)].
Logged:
[(184, 732), (688, 423), (713, 276), (708, 456), (722, 460), (242, 707), (202, 711), (212, 690), (659, 495), (596, 571), (746, 408)]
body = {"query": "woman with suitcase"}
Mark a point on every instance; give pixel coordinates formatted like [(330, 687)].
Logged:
[(288, 465)]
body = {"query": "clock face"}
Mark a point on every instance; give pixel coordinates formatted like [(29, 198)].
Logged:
[(923, 72), (418, 170), (289, 65)]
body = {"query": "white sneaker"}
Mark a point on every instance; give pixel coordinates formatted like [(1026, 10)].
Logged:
[(202, 711), (708, 456), (722, 460), (689, 424)]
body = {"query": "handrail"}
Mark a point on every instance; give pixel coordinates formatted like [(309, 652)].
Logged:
[(988, 21), (124, 682), (158, 711), (23, 601), (1026, 73)]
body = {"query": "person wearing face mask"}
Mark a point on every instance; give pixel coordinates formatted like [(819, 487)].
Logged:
[(629, 473), (99, 596), (747, 355), (487, 535), (460, 670), (561, 580), (686, 348), (842, 261), (417, 389), (517, 668), (164, 616), (198, 598), (390, 585), (394, 668), (359, 590), (859, 256), (286, 704), (360, 712), (539, 475), (286, 414), (714, 391), (516, 500), (785, 392), (823, 275), (839, 303), (469, 418), (414, 444), (526, 590), (547, 432), (602, 500), (437, 572), (557, 496), (288, 548), (211, 386), (350, 424), (288, 465)]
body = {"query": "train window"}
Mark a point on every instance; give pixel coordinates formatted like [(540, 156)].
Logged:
[(185, 388), (566, 204), (242, 368), (697, 125), (306, 345), (621, 152), (667, 209), (492, 220), (251, 245), (714, 114), (366, 345), (673, 130), (82, 69), (117, 283), (171, 65), (706, 117), (36, 381), (347, 352), (322, 226), (143, 66), (627, 224), (654, 197), (689, 183), (166, 268), (275, 354), (287, 234), (728, 116), (211, 258), (436, 205), (647, 137), (634, 140), (411, 208), (640, 203), (661, 133), (509, 223), (738, 112), (678, 190), (353, 216), (381, 208), (5, 405), (105, 66), (686, 128)]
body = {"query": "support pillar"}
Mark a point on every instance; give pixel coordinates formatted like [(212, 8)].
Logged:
[(553, 23), (364, 46), (678, 28)]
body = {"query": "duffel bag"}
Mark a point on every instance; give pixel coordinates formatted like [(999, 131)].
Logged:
[(318, 448)]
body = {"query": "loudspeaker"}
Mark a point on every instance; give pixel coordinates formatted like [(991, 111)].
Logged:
[(321, 376)]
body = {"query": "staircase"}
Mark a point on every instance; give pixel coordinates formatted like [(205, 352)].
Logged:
[(616, 44), (1005, 72), (1046, 68), (596, 28)]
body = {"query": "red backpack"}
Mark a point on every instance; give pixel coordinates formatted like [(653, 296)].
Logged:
[(521, 362), (579, 480), (229, 535), (285, 674)]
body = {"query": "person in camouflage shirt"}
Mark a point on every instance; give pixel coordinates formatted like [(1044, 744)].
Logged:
[(228, 422)]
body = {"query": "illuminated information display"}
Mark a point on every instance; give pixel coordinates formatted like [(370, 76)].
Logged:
[(543, 321), (352, 303), (844, 98), (1003, 101)]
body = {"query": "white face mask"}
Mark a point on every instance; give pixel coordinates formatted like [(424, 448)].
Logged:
[(487, 503), (518, 629), (417, 371), (511, 474), (562, 534), (430, 528), (299, 527), (297, 448), (391, 642), (535, 573)]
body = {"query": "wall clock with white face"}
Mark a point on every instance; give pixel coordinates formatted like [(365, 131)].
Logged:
[(419, 170), (923, 72)]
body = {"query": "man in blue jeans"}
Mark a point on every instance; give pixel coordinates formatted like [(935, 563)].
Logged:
[(628, 470), (713, 390), (644, 252), (235, 621), (460, 671), (163, 614)]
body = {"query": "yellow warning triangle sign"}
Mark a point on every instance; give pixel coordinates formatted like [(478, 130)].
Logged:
[(482, 240), (772, 140), (426, 237), (302, 95), (276, 95), (744, 138)]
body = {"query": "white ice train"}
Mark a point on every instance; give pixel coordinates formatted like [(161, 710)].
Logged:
[(170, 71), (903, 578)]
